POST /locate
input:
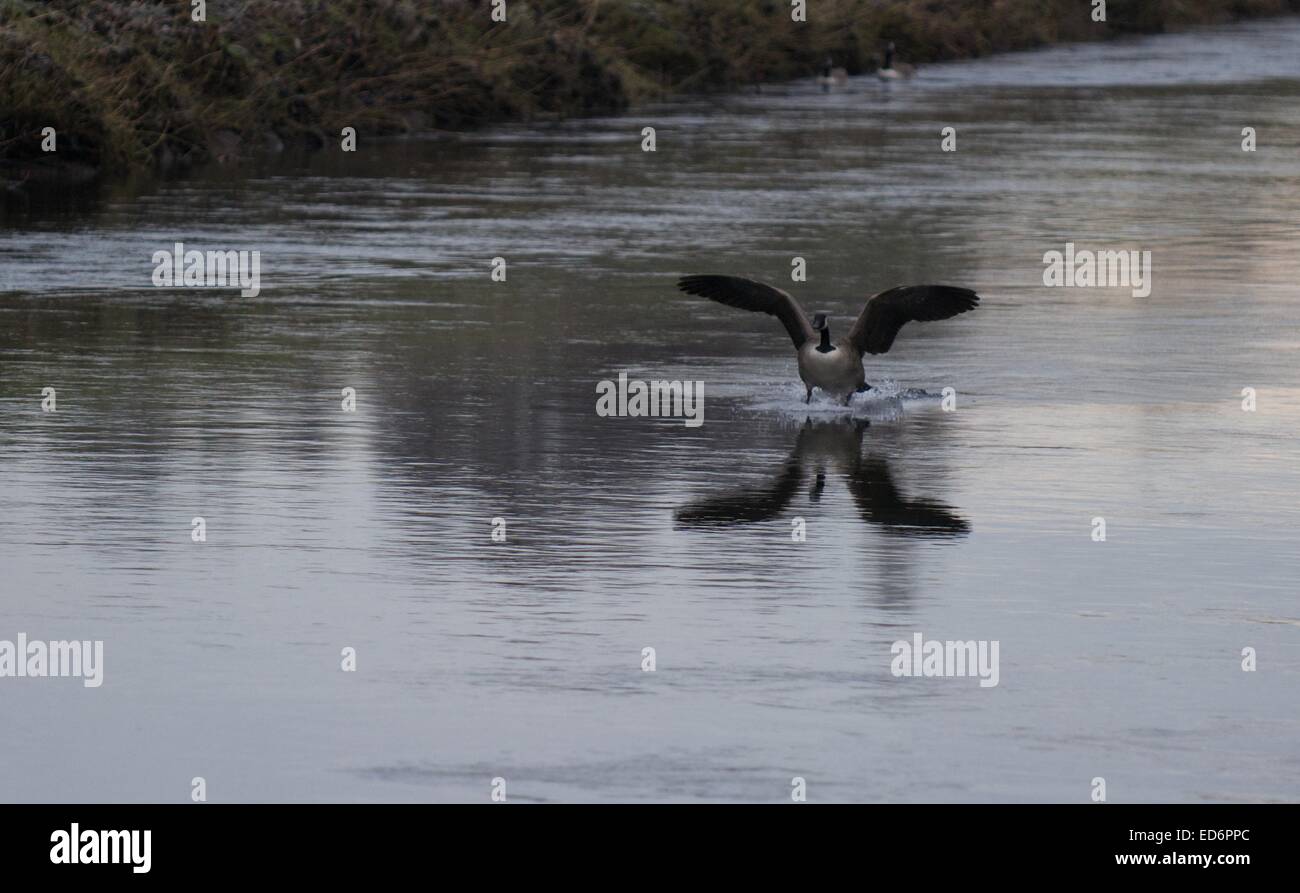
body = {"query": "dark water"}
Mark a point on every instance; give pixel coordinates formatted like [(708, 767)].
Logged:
[(476, 400)]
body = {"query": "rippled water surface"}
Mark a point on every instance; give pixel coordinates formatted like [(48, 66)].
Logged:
[(476, 401)]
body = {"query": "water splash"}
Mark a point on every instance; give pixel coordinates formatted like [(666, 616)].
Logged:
[(886, 401)]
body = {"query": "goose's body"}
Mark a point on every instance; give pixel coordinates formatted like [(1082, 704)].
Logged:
[(888, 71), (835, 367), (837, 77), (832, 76)]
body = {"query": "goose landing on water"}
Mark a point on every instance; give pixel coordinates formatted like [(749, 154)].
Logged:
[(836, 367)]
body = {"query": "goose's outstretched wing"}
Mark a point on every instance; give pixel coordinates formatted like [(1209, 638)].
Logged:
[(885, 314), (748, 294)]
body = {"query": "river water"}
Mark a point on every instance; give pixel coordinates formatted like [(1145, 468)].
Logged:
[(475, 400)]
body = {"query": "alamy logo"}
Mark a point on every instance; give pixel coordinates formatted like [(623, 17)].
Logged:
[(212, 269), (659, 399), (934, 658), (76, 847), (1087, 269), (58, 658)]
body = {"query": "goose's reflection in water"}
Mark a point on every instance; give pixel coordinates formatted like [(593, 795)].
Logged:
[(837, 447)]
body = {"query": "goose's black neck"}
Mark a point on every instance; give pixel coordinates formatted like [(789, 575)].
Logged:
[(825, 346)]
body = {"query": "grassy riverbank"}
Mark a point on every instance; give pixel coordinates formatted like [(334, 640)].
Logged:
[(137, 85)]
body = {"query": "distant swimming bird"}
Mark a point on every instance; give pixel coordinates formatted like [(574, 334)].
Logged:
[(891, 72), (836, 368), (832, 76)]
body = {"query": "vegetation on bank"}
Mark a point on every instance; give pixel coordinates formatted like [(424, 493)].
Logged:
[(130, 84)]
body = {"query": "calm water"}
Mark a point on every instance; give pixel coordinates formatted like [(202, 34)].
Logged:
[(476, 400)]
